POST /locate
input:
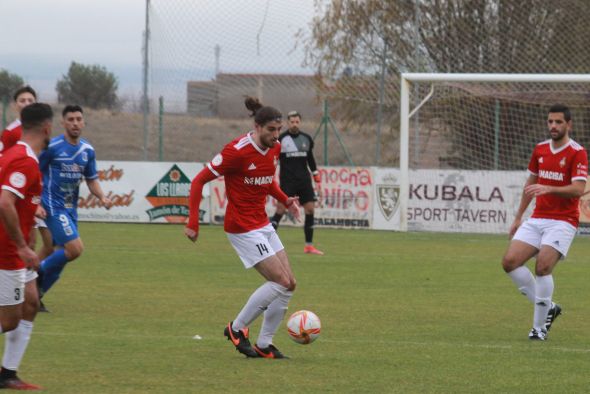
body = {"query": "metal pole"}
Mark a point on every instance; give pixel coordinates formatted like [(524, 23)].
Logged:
[(161, 129), (325, 122), (381, 99), (146, 109), (404, 187), (496, 134)]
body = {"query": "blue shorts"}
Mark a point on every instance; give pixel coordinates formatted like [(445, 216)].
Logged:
[(63, 226)]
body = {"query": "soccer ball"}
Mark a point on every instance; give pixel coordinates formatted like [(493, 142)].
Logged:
[(304, 327)]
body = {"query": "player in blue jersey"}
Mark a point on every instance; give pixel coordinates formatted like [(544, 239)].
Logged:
[(67, 161)]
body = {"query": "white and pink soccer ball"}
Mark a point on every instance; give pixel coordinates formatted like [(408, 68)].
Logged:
[(304, 327)]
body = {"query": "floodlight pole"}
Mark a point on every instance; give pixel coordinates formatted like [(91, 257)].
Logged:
[(145, 101)]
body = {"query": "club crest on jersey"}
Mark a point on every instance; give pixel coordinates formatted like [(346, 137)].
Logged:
[(562, 163), (388, 199), (217, 160), (17, 179), (540, 160), (84, 156)]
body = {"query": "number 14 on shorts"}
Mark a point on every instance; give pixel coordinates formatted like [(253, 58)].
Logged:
[(262, 249)]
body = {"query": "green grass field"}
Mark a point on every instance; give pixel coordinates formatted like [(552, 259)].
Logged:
[(405, 313)]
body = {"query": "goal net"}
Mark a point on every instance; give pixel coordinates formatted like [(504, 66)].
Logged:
[(466, 141)]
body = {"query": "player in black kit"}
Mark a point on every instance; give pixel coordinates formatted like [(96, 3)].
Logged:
[(296, 162)]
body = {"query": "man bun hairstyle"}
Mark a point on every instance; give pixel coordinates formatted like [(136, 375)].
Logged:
[(34, 115), (24, 89), (262, 115)]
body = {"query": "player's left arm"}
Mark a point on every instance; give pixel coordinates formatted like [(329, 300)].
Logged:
[(91, 176), (94, 187)]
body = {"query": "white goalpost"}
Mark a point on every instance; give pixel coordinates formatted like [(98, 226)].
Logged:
[(483, 123)]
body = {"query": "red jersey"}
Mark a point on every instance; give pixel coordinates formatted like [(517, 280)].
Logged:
[(11, 135), (558, 167), (249, 174), (19, 174)]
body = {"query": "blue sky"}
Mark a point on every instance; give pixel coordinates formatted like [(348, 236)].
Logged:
[(40, 38)]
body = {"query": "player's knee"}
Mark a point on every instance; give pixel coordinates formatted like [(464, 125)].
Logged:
[(509, 263), (287, 282), (9, 323), (292, 285), (30, 307), (542, 270), (74, 251)]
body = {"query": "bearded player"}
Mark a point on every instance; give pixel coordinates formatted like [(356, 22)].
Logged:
[(248, 165)]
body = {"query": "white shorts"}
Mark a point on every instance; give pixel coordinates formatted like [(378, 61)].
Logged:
[(555, 233), (40, 223), (256, 245), (31, 275), (12, 287)]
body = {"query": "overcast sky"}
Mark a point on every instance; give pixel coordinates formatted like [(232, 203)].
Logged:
[(40, 38)]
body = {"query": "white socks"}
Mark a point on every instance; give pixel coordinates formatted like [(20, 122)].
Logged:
[(539, 291), (273, 317), (16, 343), (542, 300), (525, 281), (258, 302)]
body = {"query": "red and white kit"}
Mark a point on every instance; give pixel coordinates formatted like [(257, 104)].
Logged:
[(20, 175), (554, 219), (558, 167), (11, 135), (249, 174)]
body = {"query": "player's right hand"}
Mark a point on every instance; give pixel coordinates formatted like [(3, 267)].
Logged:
[(191, 234), (29, 257), (515, 225)]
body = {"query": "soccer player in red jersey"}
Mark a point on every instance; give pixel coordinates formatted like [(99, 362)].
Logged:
[(558, 170), (20, 194), (12, 134), (248, 165), (24, 96)]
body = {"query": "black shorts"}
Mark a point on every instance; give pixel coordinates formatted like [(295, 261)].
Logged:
[(303, 189)]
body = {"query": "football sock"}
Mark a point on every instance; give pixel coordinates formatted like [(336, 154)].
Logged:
[(275, 220), (16, 343), (544, 292), (51, 269), (525, 281), (257, 303), (273, 317), (308, 229)]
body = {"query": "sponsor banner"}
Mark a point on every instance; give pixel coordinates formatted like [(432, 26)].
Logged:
[(464, 201), (143, 192), (344, 199)]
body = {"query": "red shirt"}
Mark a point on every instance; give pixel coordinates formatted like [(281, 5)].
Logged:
[(20, 175), (558, 167), (11, 135), (249, 173)]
